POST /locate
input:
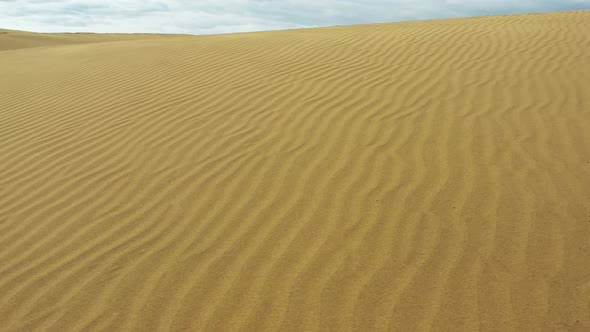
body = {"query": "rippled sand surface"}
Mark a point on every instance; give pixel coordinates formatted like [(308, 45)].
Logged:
[(414, 176)]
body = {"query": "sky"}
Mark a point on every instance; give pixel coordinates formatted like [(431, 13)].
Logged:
[(226, 16)]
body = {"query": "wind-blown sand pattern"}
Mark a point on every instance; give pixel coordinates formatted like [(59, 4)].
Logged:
[(414, 176)]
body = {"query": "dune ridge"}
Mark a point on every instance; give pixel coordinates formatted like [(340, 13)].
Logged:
[(430, 175)]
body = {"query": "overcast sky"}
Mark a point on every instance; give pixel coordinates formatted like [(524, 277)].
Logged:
[(222, 16)]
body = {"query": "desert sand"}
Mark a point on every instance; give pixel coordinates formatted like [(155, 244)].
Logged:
[(414, 176)]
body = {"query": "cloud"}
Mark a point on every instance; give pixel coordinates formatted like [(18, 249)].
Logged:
[(222, 16)]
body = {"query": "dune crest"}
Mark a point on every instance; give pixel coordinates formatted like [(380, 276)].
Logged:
[(429, 175)]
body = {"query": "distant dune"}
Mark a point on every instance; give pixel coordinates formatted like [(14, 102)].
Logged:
[(13, 40), (414, 176)]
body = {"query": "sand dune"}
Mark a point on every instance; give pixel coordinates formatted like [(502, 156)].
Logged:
[(429, 175), (13, 40)]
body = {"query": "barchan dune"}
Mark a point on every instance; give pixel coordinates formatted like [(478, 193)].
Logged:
[(414, 176)]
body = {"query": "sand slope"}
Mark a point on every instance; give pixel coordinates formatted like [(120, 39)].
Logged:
[(413, 176)]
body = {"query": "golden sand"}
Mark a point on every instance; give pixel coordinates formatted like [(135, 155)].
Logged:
[(413, 176)]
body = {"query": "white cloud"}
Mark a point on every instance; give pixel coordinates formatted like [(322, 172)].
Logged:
[(220, 16)]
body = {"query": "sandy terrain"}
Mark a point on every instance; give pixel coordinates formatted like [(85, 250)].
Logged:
[(429, 175)]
